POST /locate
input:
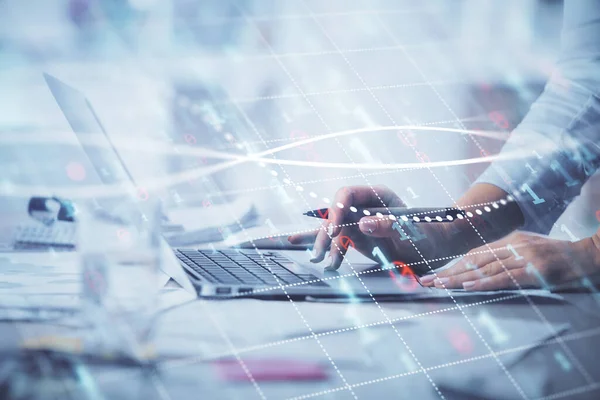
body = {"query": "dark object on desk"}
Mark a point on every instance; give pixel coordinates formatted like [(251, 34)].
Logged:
[(48, 210), (39, 374), (273, 243), (403, 213), (270, 370)]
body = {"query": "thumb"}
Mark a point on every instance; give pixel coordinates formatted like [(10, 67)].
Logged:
[(376, 227)]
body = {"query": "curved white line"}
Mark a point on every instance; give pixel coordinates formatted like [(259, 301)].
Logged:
[(99, 191)]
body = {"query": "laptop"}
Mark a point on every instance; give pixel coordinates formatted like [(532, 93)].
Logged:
[(232, 272)]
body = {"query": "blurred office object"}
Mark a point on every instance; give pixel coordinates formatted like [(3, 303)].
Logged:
[(120, 262)]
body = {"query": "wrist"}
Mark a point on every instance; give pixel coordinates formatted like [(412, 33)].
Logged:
[(589, 249), (492, 225), (595, 248)]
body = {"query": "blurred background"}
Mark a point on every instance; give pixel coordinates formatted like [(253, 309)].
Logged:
[(246, 76)]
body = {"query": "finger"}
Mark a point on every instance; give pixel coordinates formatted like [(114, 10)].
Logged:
[(477, 258), (339, 248), (360, 197), (456, 281), (322, 242), (504, 280), (303, 238), (377, 227)]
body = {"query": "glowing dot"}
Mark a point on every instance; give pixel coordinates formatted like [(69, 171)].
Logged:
[(392, 217), (486, 208), (379, 215), (353, 209), (510, 198), (404, 218), (416, 219), (495, 205), (478, 211), (459, 216), (427, 219), (366, 212), (299, 188), (449, 217), (438, 218), (287, 181), (340, 205), (469, 214), (75, 171), (326, 200), (313, 195), (274, 173), (503, 202)]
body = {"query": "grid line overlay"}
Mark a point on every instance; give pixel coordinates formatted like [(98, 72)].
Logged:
[(368, 89), (242, 354)]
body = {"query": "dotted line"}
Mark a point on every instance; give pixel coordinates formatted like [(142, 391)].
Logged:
[(338, 91), (412, 242), (179, 363), (370, 271), (339, 373), (579, 390), (357, 223), (506, 270), (282, 17), (290, 139), (406, 346), (357, 327), (556, 340)]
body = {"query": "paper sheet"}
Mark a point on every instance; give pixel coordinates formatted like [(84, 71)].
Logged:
[(43, 280)]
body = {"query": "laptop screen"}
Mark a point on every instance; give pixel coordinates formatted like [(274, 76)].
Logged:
[(90, 133)]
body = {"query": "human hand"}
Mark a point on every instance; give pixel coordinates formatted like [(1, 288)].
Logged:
[(521, 259), (369, 232)]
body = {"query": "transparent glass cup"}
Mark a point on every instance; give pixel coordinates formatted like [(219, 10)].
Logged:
[(120, 258)]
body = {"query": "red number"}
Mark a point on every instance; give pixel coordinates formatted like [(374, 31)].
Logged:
[(460, 341), (407, 138), (409, 281), (323, 215), (499, 119), (189, 138), (123, 234), (94, 280), (346, 242), (142, 194), (422, 157)]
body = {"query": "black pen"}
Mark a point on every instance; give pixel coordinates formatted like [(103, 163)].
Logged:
[(406, 214)]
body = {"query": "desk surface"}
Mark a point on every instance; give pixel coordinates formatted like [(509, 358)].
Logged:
[(426, 344)]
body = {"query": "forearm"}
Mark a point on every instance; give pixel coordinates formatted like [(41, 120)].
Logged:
[(486, 227), (590, 248), (555, 149)]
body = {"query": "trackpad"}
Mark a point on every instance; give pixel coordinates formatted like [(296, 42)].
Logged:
[(373, 280)]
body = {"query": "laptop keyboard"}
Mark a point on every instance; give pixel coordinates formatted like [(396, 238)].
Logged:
[(60, 234), (233, 267)]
